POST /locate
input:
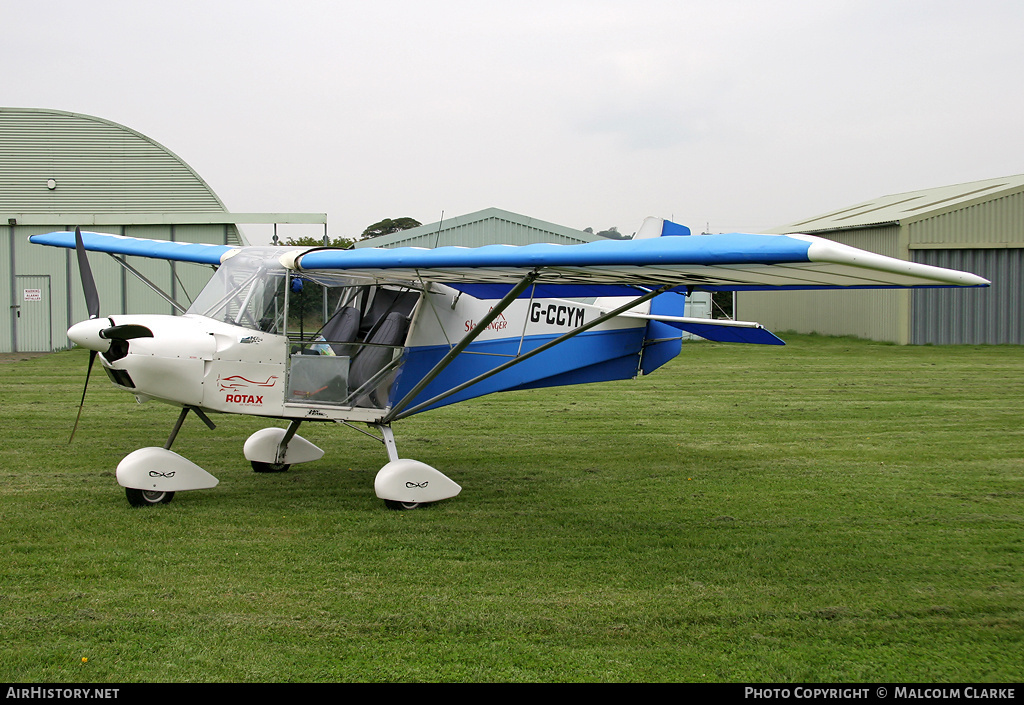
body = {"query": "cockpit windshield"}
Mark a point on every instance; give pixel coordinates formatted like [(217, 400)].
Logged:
[(247, 290)]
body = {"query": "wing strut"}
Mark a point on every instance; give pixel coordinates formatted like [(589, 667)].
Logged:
[(157, 290), (511, 296), (394, 415)]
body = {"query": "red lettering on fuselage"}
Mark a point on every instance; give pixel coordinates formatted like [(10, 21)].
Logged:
[(243, 399)]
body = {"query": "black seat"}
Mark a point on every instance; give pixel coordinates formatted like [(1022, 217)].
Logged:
[(341, 330), (386, 302)]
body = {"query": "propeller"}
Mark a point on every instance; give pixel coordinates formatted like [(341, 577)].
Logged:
[(92, 296), (92, 334), (81, 404), (92, 305)]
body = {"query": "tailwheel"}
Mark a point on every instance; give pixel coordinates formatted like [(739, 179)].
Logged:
[(146, 498), (269, 467)]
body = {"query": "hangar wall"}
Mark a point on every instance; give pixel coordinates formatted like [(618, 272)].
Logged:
[(976, 227), (45, 293), (59, 170), (990, 316), (985, 238)]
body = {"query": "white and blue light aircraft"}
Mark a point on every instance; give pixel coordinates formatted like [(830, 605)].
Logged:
[(402, 331)]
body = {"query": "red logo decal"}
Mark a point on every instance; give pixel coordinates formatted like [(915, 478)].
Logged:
[(236, 385), (236, 382)]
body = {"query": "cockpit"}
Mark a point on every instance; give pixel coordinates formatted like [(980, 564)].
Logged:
[(345, 335)]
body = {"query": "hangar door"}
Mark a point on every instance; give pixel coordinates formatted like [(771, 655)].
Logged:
[(32, 313), (971, 316)]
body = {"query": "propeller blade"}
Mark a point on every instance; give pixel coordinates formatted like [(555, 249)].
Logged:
[(92, 297), (128, 331), (88, 371)]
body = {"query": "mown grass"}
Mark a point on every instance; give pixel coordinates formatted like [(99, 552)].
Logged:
[(835, 510)]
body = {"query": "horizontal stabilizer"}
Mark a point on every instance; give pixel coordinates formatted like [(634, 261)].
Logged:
[(731, 334), (719, 331)]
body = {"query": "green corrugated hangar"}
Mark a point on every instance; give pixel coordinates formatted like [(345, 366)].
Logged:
[(976, 227), (59, 170), (491, 226)]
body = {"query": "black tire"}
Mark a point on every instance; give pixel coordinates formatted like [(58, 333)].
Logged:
[(269, 467), (147, 498), (403, 506)]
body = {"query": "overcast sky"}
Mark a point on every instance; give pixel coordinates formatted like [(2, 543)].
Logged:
[(728, 115)]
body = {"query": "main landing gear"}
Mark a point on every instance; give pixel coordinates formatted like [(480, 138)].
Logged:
[(406, 484), (152, 475)]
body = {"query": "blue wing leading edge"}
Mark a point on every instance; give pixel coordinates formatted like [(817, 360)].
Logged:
[(727, 262)]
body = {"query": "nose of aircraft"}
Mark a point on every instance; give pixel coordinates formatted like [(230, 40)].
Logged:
[(87, 334)]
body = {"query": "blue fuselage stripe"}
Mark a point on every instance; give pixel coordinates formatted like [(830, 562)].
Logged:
[(583, 351)]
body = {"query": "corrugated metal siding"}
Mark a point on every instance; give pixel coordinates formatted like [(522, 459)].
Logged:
[(972, 316), (995, 223), (488, 227), (8, 288), (489, 232), (99, 167), (119, 291), (873, 315)]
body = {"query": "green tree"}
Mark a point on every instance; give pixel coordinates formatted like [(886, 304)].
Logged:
[(388, 226), (613, 234), (307, 304)]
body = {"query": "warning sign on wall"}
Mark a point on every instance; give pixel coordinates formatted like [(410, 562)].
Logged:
[(33, 295)]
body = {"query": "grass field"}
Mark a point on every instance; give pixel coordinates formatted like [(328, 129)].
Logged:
[(831, 511)]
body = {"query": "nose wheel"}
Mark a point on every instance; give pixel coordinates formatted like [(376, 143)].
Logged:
[(146, 498)]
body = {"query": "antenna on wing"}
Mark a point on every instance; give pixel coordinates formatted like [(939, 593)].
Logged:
[(437, 240)]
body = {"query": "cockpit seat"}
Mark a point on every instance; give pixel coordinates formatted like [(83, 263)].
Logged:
[(342, 330), (385, 302), (371, 359)]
